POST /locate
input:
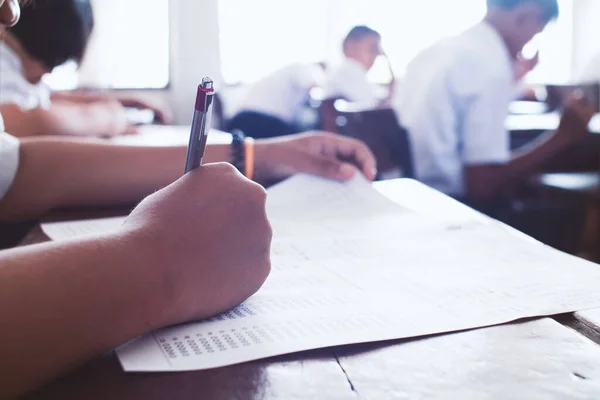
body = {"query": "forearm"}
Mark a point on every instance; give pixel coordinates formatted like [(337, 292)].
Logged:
[(78, 119), (489, 181), (63, 304), (79, 96), (529, 159), (57, 173), (62, 119)]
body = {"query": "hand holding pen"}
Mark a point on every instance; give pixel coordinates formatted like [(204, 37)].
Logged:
[(200, 124)]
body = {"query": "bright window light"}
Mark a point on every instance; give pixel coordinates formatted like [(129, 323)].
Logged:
[(129, 48), (259, 36)]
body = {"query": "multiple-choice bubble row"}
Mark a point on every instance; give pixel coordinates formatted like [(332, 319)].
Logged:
[(278, 305), (233, 339)]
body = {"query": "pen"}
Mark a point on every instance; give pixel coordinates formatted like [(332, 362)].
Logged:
[(200, 124)]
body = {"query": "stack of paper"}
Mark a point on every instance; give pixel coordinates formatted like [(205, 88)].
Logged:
[(351, 266)]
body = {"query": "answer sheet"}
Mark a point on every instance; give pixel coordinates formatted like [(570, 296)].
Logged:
[(350, 266), (59, 231)]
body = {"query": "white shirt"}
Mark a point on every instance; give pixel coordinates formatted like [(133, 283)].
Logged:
[(283, 93), (592, 72), (9, 159), (350, 82), (454, 103), (14, 88)]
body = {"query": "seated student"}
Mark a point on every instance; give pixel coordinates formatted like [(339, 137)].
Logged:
[(272, 104), (189, 251), (455, 101), (349, 81), (51, 33)]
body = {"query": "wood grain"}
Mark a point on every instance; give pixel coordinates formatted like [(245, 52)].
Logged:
[(534, 360)]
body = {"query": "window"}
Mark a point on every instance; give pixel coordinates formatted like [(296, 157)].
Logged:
[(129, 48), (259, 36)]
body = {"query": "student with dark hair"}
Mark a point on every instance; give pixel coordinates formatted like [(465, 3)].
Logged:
[(455, 102), (349, 81), (272, 106), (52, 32), (187, 252)]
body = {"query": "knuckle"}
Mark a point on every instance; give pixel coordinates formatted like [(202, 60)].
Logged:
[(225, 168), (257, 194)]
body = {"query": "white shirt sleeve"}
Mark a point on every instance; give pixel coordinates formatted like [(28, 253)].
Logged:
[(351, 83), (11, 86), (361, 91), (484, 139), (14, 87), (592, 71), (9, 161)]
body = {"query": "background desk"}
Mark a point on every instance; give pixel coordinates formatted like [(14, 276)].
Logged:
[(165, 135), (542, 359), (524, 128)]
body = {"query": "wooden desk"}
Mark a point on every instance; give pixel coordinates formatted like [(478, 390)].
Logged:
[(524, 128), (542, 122), (583, 187), (541, 359), (165, 135)]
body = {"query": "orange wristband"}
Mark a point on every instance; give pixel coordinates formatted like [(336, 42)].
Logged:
[(249, 158)]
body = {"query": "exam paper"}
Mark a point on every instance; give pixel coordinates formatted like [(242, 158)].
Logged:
[(320, 198), (59, 231), (349, 266)]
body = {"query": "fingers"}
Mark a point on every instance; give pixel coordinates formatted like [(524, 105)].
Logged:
[(579, 104), (349, 150), (325, 166), (131, 130), (162, 115)]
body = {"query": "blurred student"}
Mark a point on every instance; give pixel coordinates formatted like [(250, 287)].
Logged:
[(187, 252), (455, 102), (272, 105), (49, 34), (349, 81)]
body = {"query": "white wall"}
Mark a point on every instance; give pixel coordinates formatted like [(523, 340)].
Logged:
[(587, 34), (194, 52)]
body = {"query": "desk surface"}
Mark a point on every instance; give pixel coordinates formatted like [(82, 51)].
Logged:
[(583, 184), (542, 122), (541, 359), (164, 135)]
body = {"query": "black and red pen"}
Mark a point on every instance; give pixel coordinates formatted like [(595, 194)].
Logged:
[(200, 124)]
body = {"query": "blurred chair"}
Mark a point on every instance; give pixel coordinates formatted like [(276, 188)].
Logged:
[(558, 94), (328, 115), (382, 132), (218, 117)]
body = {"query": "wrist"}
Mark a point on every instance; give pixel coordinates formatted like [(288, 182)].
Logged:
[(151, 285), (243, 154), (263, 168)]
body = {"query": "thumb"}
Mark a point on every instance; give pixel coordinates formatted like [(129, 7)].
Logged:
[(327, 167)]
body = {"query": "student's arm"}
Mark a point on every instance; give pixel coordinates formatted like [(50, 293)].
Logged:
[(65, 172), (62, 173), (485, 181), (164, 114), (66, 118), (193, 250)]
